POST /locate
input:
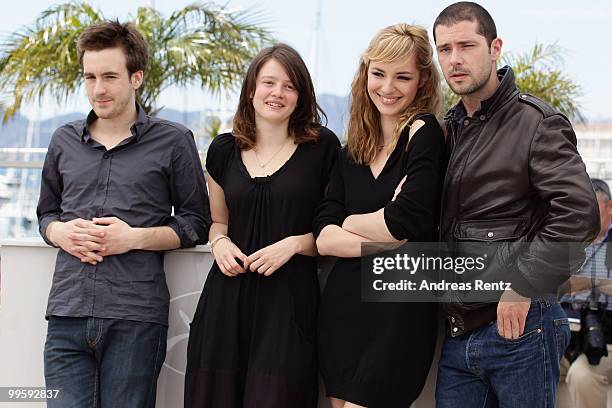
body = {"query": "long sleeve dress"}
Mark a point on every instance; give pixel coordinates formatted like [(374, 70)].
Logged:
[(379, 354), (252, 339)]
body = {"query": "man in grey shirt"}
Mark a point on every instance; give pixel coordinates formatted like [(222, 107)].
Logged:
[(109, 187)]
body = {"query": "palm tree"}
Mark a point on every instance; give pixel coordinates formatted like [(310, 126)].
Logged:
[(202, 44), (538, 73), (213, 128)]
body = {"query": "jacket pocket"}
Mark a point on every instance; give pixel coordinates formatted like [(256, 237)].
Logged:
[(490, 230), (495, 244)]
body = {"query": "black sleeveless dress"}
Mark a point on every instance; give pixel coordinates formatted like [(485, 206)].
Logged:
[(252, 341)]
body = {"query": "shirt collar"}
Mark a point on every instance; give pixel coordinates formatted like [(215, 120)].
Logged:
[(142, 119), (504, 75)]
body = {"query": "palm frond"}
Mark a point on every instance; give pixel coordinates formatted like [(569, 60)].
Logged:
[(202, 44), (43, 59), (538, 72)]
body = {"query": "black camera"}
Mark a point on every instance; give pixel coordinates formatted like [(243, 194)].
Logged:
[(593, 341)]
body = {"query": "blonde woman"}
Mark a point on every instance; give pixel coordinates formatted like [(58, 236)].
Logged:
[(385, 187)]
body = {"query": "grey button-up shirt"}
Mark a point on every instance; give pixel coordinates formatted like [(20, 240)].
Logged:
[(141, 180)]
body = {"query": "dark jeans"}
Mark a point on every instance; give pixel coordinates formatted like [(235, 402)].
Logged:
[(481, 369), (103, 362)]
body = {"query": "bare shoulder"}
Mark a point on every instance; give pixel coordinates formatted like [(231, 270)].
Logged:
[(416, 125)]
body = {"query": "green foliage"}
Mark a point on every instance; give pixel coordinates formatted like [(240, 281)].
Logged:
[(201, 45), (449, 98), (214, 127), (538, 72), (43, 59)]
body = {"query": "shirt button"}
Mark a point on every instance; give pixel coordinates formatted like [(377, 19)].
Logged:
[(455, 330), (101, 186), (482, 117), (490, 234), (466, 122), (452, 319), (106, 155)]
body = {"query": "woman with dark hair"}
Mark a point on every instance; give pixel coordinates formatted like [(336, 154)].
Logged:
[(252, 339), (385, 187)]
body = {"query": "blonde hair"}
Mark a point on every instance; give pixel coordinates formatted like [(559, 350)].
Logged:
[(391, 44)]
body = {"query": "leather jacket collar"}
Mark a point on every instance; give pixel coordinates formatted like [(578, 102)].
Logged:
[(505, 91)]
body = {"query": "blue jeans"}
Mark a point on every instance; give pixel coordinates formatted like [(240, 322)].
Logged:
[(103, 362), (481, 369)]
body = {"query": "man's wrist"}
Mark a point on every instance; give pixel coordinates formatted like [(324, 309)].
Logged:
[(510, 295), (49, 232), (138, 237)]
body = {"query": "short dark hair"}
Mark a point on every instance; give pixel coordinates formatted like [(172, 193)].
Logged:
[(468, 11), (111, 34), (304, 122), (602, 187)]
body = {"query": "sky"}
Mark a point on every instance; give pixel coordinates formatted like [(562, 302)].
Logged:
[(582, 29)]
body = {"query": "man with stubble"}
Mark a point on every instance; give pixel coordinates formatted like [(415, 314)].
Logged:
[(118, 189), (514, 175)]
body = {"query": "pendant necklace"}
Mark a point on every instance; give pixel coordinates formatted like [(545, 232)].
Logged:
[(263, 165)]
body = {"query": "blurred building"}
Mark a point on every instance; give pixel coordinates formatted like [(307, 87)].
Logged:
[(20, 169), (595, 147)]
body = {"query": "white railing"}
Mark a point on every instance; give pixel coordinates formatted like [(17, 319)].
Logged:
[(26, 272)]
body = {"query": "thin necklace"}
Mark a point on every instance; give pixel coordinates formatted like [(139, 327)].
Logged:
[(263, 165)]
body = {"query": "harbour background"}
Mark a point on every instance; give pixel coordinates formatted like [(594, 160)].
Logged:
[(23, 145), (330, 36)]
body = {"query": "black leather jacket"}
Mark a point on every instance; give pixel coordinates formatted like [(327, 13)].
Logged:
[(514, 174)]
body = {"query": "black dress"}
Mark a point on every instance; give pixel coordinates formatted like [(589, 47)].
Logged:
[(379, 354), (252, 340)]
